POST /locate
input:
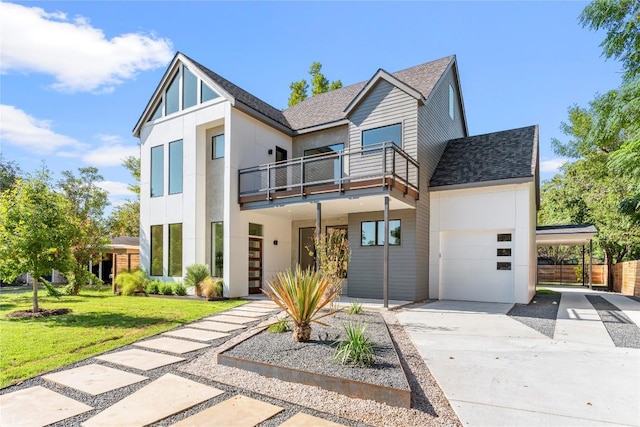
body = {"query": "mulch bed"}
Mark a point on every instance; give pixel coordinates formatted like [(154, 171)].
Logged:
[(24, 314)]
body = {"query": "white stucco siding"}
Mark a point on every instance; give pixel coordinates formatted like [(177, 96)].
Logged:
[(463, 243), (247, 143)]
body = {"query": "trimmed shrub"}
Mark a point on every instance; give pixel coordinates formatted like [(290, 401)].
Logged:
[(180, 289), (166, 289), (196, 273), (152, 287), (130, 283)]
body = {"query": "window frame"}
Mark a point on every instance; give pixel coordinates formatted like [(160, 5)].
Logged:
[(159, 168), (185, 70), (379, 230), (364, 146), (154, 254), (214, 155), (179, 259), (177, 176), (215, 225), (452, 96)]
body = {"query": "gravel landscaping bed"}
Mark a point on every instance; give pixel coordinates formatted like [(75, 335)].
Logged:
[(622, 330), (540, 314), (429, 405), (317, 355)]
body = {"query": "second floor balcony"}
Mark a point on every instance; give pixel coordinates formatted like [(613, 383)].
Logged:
[(351, 172)]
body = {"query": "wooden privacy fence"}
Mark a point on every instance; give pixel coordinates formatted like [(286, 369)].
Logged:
[(567, 274), (626, 278)]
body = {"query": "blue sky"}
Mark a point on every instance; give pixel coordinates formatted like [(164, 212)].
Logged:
[(75, 76)]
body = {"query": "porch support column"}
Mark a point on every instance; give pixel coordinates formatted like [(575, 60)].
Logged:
[(590, 264), (385, 271), (583, 269), (318, 228)]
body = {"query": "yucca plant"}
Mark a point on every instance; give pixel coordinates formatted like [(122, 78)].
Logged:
[(196, 273), (301, 294), (355, 347)]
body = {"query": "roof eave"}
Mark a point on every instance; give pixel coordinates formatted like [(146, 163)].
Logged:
[(263, 118)]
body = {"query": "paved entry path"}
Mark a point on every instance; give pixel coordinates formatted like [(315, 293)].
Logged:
[(498, 372), (140, 385)]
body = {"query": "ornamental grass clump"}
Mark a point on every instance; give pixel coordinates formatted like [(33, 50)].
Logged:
[(355, 308), (302, 294), (355, 348)]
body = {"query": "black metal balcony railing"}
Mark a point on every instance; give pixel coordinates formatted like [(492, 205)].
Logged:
[(380, 165)]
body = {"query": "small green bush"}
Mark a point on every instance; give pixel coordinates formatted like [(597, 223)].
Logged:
[(355, 308), (212, 287), (130, 283), (166, 289), (152, 287), (194, 276), (180, 289), (280, 326), (355, 348)]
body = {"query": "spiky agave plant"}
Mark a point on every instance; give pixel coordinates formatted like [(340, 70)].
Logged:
[(302, 294)]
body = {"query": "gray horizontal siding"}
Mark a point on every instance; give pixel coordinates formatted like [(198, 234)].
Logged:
[(366, 266)]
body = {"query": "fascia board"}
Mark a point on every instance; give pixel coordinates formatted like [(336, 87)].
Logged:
[(481, 184)]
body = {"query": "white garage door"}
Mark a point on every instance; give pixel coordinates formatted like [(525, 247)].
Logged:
[(477, 266)]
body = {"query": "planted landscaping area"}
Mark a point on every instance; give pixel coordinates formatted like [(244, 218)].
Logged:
[(98, 322)]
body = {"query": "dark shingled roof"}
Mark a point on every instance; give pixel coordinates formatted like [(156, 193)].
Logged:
[(125, 240), (329, 107), (494, 156)]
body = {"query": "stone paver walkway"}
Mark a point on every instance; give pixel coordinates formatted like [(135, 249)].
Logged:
[(151, 396)]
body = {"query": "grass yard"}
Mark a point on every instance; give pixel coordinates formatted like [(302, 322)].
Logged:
[(99, 322)]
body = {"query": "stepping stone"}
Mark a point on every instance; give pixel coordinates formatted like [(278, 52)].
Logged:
[(140, 359), (94, 379), (305, 420), (37, 406), (251, 309), (238, 411), (262, 303), (244, 314), (160, 399), (231, 319), (216, 326), (196, 334), (172, 345)]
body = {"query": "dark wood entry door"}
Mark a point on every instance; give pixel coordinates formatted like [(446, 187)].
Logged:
[(255, 265)]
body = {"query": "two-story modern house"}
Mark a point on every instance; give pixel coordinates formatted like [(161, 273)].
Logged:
[(430, 212)]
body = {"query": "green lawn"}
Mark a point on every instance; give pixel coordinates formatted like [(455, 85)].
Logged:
[(99, 322)]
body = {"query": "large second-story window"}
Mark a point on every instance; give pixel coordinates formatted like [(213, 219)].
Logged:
[(217, 146), (206, 93), (189, 88), (175, 167), (391, 133), (173, 95), (157, 171)]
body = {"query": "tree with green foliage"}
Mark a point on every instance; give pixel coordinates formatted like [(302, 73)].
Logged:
[(319, 84), (35, 231), (87, 203), (125, 219), (9, 173)]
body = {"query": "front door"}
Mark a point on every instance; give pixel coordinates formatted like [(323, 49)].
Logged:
[(306, 245), (255, 265)]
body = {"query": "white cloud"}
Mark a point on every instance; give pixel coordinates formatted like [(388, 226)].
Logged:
[(115, 188), (35, 135), (77, 55), (109, 138), (110, 154), (552, 165)]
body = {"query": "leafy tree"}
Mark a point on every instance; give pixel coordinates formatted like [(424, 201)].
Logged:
[(87, 203), (125, 219), (319, 84), (35, 231), (9, 173)]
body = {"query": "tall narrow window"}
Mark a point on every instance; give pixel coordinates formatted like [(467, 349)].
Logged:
[(175, 250), (157, 113), (189, 88), (206, 93), (173, 95), (391, 133), (175, 167), (157, 171), (217, 146), (451, 102), (156, 250), (217, 249)]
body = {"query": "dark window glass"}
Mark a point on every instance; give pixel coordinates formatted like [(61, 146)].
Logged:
[(255, 229), (189, 88), (157, 171), (173, 96), (504, 252), (392, 133), (156, 250), (504, 266), (217, 249), (207, 94), (175, 167), (175, 250), (217, 146), (506, 237)]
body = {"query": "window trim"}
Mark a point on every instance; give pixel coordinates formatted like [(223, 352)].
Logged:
[(377, 236)]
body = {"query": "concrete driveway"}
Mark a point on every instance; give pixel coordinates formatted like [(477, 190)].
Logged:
[(496, 371)]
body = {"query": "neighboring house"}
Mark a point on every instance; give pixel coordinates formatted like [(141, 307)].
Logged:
[(123, 254), (230, 181)]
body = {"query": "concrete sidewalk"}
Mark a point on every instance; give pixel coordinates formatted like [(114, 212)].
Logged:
[(498, 372)]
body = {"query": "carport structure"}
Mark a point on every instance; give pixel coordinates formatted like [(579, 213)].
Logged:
[(569, 235)]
